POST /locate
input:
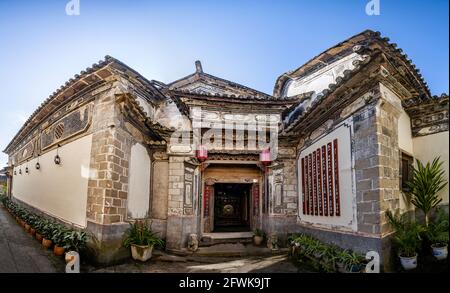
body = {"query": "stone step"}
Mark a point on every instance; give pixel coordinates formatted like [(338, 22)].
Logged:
[(236, 250), (212, 239)]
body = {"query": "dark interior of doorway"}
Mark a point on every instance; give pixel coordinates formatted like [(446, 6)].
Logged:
[(232, 207)]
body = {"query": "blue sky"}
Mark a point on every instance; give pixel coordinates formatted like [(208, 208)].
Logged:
[(250, 42)]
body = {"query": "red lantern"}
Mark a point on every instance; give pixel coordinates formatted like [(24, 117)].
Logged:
[(202, 153), (265, 157)]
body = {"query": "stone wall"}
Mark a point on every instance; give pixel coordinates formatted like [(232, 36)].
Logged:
[(108, 183), (181, 217)]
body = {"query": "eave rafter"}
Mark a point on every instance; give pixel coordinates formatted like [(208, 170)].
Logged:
[(133, 112)]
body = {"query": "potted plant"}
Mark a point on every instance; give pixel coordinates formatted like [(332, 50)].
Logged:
[(258, 236), (407, 238), (47, 233), (58, 238), (341, 260), (353, 262), (74, 241), (437, 234), (141, 239), (427, 181), (39, 228), (33, 221)]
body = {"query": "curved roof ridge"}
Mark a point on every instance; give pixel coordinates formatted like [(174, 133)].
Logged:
[(107, 60), (367, 38)]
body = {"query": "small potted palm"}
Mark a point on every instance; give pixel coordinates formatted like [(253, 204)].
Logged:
[(258, 236), (437, 234), (407, 238), (424, 187), (141, 239)]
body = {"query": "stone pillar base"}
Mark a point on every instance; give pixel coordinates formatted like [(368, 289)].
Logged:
[(105, 243)]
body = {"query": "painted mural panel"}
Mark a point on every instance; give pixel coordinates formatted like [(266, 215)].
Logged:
[(74, 123)]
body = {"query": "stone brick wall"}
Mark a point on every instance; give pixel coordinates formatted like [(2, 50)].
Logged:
[(181, 217), (176, 185), (376, 164), (108, 183)]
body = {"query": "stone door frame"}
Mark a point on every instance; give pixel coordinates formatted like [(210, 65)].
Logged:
[(208, 182)]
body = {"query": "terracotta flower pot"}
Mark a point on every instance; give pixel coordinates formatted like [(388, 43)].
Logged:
[(257, 240), (58, 250), (39, 237), (27, 228), (32, 232), (46, 243)]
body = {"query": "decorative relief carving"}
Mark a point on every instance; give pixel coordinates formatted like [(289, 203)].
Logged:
[(277, 190), (180, 149), (188, 191), (160, 156), (429, 124), (25, 152), (68, 126)]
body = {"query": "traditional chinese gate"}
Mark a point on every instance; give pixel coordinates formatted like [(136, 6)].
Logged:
[(231, 198)]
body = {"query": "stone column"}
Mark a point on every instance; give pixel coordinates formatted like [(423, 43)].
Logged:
[(108, 181), (181, 218), (282, 213), (376, 166)]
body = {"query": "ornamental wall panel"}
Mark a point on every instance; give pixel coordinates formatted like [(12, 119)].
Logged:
[(326, 192)]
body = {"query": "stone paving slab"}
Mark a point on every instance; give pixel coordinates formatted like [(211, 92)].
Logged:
[(164, 264), (20, 252)]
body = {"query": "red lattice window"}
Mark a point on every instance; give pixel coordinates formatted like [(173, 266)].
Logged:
[(320, 181)]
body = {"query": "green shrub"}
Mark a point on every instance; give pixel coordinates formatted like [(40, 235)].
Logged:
[(326, 256), (258, 232), (140, 233), (408, 234), (427, 181), (437, 231)]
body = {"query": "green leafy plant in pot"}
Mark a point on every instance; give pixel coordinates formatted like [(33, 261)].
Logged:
[(258, 236), (427, 181), (407, 238), (47, 233), (141, 239), (437, 234), (58, 238), (75, 240)]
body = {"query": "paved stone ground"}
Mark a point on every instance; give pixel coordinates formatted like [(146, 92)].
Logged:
[(175, 264), (21, 253)]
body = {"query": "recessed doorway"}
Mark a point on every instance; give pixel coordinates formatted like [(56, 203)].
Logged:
[(232, 207)]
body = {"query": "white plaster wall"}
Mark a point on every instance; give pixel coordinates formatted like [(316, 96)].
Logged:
[(405, 139), (59, 190), (426, 148), (139, 182), (320, 80), (347, 219)]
